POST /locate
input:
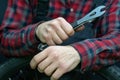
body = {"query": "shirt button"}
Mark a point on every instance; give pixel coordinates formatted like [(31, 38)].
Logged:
[(71, 9)]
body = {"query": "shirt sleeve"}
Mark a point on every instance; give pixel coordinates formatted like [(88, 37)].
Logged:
[(17, 33), (103, 50)]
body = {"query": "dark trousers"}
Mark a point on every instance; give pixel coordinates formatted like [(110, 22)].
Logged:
[(3, 59), (28, 74)]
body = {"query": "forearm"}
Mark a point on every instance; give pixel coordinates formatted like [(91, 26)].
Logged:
[(17, 33), (97, 53), (19, 42), (104, 49)]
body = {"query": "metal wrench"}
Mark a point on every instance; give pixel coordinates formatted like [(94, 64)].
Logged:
[(95, 13)]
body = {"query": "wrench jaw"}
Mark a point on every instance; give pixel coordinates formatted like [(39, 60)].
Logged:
[(97, 12), (100, 10)]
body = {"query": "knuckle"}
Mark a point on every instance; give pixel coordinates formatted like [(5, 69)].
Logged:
[(55, 56), (50, 49), (63, 66), (53, 53), (47, 38), (49, 30), (54, 23), (56, 27), (60, 18)]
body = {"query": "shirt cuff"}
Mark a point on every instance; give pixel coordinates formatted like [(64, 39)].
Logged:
[(33, 38), (86, 60)]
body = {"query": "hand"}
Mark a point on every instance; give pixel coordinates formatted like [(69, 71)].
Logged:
[(54, 31), (55, 61)]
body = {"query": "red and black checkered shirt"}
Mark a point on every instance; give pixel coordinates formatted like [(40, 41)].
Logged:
[(17, 33)]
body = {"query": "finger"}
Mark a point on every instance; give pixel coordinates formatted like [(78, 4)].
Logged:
[(45, 63), (59, 31), (57, 74), (37, 59), (48, 37), (51, 68), (50, 41), (66, 26), (56, 39)]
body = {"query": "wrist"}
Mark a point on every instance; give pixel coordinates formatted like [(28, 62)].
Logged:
[(78, 67), (36, 33), (37, 30)]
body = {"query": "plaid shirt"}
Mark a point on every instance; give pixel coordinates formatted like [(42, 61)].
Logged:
[(17, 33)]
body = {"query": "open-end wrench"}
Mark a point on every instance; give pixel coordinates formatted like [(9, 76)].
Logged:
[(95, 13)]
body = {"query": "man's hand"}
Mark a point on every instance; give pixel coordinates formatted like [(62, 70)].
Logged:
[(55, 61), (54, 31)]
